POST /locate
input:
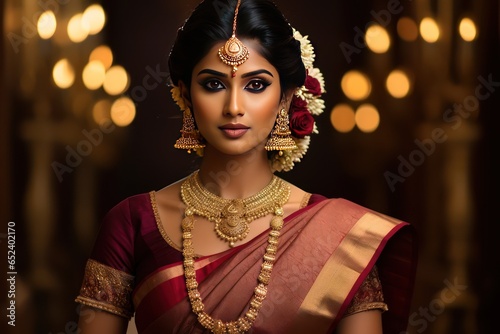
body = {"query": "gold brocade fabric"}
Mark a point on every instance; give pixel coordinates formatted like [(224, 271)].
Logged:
[(107, 289), (369, 295)]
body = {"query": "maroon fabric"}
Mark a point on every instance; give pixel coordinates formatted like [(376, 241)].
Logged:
[(130, 241)]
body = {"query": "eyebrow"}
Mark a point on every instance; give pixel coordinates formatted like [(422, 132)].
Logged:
[(224, 75), (250, 74), (213, 72)]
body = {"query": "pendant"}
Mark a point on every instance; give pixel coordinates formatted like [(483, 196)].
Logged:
[(233, 53), (232, 226)]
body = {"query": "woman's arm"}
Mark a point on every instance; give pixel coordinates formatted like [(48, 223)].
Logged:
[(95, 321), (366, 322)]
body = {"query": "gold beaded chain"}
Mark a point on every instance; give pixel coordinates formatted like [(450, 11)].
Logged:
[(233, 216), (244, 323)]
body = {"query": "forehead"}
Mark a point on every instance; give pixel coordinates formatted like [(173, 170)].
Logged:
[(255, 60)]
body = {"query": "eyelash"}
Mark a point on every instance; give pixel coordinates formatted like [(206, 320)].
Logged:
[(209, 82), (264, 84)]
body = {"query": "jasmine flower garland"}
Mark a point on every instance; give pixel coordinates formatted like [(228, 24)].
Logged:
[(306, 103)]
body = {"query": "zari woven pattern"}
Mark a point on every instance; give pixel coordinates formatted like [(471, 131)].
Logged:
[(107, 289)]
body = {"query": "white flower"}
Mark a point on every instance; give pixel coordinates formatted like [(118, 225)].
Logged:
[(316, 74), (315, 105), (307, 50)]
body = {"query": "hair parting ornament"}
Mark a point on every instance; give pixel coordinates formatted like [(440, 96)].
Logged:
[(234, 52)]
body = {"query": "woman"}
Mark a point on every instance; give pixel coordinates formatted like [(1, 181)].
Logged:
[(232, 248)]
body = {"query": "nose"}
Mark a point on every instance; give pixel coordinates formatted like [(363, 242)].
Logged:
[(233, 106)]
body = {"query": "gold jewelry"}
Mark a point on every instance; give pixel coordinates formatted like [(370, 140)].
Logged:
[(244, 323), (232, 216), (190, 138), (281, 136), (234, 52)]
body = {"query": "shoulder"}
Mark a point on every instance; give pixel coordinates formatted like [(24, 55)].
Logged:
[(340, 205), (344, 210), (169, 197), (115, 242), (129, 207)]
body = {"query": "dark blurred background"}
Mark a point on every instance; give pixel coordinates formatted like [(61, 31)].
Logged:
[(420, 148)]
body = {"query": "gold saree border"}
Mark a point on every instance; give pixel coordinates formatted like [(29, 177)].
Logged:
[(163, 275), (340, 273)]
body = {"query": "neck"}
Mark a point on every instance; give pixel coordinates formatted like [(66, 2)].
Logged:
[(231, 176)]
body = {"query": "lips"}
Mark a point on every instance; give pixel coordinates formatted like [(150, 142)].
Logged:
[(234, 131)]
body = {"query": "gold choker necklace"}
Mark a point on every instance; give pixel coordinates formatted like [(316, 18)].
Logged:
[(274, 196), (233, 216)]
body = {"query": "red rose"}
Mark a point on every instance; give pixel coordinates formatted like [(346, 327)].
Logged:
[(298, 104), (313, 86), (301, 123)]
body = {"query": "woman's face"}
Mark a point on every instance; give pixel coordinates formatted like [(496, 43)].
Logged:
[(235, 114)]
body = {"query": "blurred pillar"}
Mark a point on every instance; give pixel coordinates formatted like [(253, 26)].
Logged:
[(449, 205)]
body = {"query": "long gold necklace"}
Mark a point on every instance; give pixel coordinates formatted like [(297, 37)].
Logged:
[(243, 324), (233, 216)]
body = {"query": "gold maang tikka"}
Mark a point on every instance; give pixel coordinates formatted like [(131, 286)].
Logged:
[(234, 52)]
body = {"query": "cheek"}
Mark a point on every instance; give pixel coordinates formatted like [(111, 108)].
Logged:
[(265, 110), (206, 107)]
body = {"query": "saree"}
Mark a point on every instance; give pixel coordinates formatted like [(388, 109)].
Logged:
[(325, 252)]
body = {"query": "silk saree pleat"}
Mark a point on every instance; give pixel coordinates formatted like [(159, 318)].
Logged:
[(306, 287)]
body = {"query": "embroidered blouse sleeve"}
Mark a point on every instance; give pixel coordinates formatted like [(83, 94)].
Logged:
[(369, 295), (108, 279)]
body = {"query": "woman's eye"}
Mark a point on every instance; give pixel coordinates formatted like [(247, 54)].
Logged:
[(257, 85), (213, 85)]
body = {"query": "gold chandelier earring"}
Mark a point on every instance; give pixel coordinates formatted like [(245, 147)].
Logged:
[(281, 136), (190, 137)]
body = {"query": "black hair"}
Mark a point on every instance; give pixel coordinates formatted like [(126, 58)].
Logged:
[(212, 22)]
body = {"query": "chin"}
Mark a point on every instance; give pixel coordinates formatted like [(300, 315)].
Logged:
[(235, 150)]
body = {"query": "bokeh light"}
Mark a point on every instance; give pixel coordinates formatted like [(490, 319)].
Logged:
[(101, 112), (356, 85), (429, 30), (78, 29), (94, 74), (467, 29), (63, 74), (407, 29), (47, 24), (116, 80), (342, 118), (123, 111), (377, 39), (94, 18), (398, 84), (103, 54), (367, 118)]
